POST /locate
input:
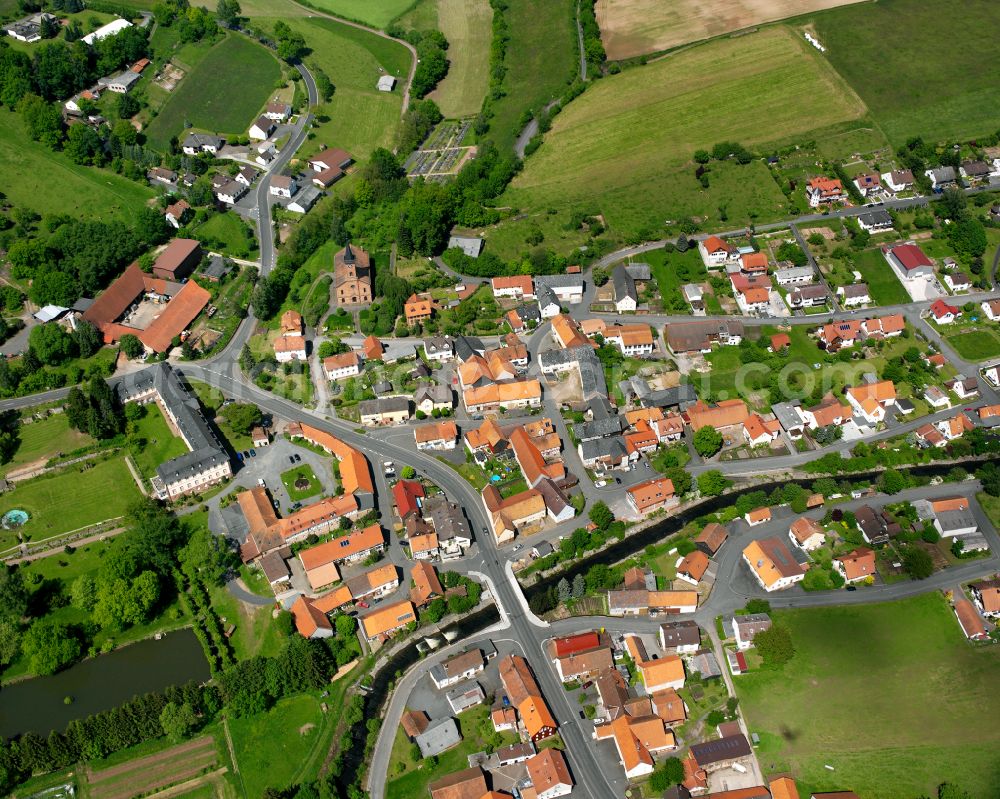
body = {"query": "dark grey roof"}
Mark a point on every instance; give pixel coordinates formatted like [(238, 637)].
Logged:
[(955, 520), (382, 387), (438, 738), (555, 500), (591, 370), (681, 396), (216, 268), (386, 405), (623, 283), (545, 296), (601, 408), (732, 747), (306, 197), (680, 633), (437, 344), (467, 346), (876, 218), (200, 140), (82, 304), (529, 312), (543, 548), (206, 450), (608, 447), (639, 271), (810, 292), (976, 169), (436, 393), (943, 174), (598, 428), (448, 520)]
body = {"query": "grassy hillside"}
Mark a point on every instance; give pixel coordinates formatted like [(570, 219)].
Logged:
[(467, 26), (891, 695), (37, 178), (377, 13), (895, 53), (542, 58), (359, 118), (624, 147), (206, 98)]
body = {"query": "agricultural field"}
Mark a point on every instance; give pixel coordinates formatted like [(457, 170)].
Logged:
[(846, 699), (78, 496), (376, 13), (271, 747), (144, 775), (890, 52), (44, 439), (632, 28), (48, 182), (466, 25), (542, 59), (359, 118), (205, 98), (626, 144)]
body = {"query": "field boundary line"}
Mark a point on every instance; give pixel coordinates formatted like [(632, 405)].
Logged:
[(232, 754)]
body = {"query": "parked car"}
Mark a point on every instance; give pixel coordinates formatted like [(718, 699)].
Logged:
[(297, 457), (261, 483), (291, 459), (587, 684), (253, 453)]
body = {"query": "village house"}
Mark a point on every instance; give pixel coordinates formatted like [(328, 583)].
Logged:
[(651, 495), (856, 565), (746, 626), (438, 436), (380, 624), (680, 637), (986, 595), (991, 308), (711, 538), (338, 367), (329, 166), (943, 313), (806, 533), (853, 295), (518, 287), (759, 431), (772, 564), (261, 128), (830, 411), (692, 567), (524, 694), (289, 348), (458, 668), (418, 308), (898, 180), (715, 252), (549, 775), (385, 411), (941, 177), (283, 186), (869, 400), (824, 191), (195, 143), (877, 221), (970, 620), (177, 213)]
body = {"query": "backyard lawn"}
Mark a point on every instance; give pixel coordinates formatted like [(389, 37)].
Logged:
[(43, 439), (227, 233), (271, 746), (849, 698), (48, 182), (980, 344), (410, 778), (75, 497), (159, 443), (301, 482), (205, 99), (625, 146), (883, 285)]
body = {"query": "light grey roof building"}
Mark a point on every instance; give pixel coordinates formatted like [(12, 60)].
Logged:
[(470, 245), (598, 428), (437, 739)]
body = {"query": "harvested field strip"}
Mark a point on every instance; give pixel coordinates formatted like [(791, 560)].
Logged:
[(205, 742), (631, 28), (147, 780)]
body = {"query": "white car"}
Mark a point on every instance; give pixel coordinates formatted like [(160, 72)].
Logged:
[(261, 483), (601, 483)]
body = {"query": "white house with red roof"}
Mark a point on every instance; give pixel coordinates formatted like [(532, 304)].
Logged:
[(943, 313), (715, 252), (909, 262), (823, 191)]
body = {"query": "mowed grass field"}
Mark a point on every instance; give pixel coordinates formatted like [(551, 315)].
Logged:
[(73, 498), (982, 344), (624, 147), (206, 97), (542, 59), (41, 440), (635, 27), (891, 52), (891, 695), (48, 182), (466, 25), (883, 285), (271, 747), (359, 118), (376, 13)]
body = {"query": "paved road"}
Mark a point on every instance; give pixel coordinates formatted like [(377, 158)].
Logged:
[(262, 196)]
